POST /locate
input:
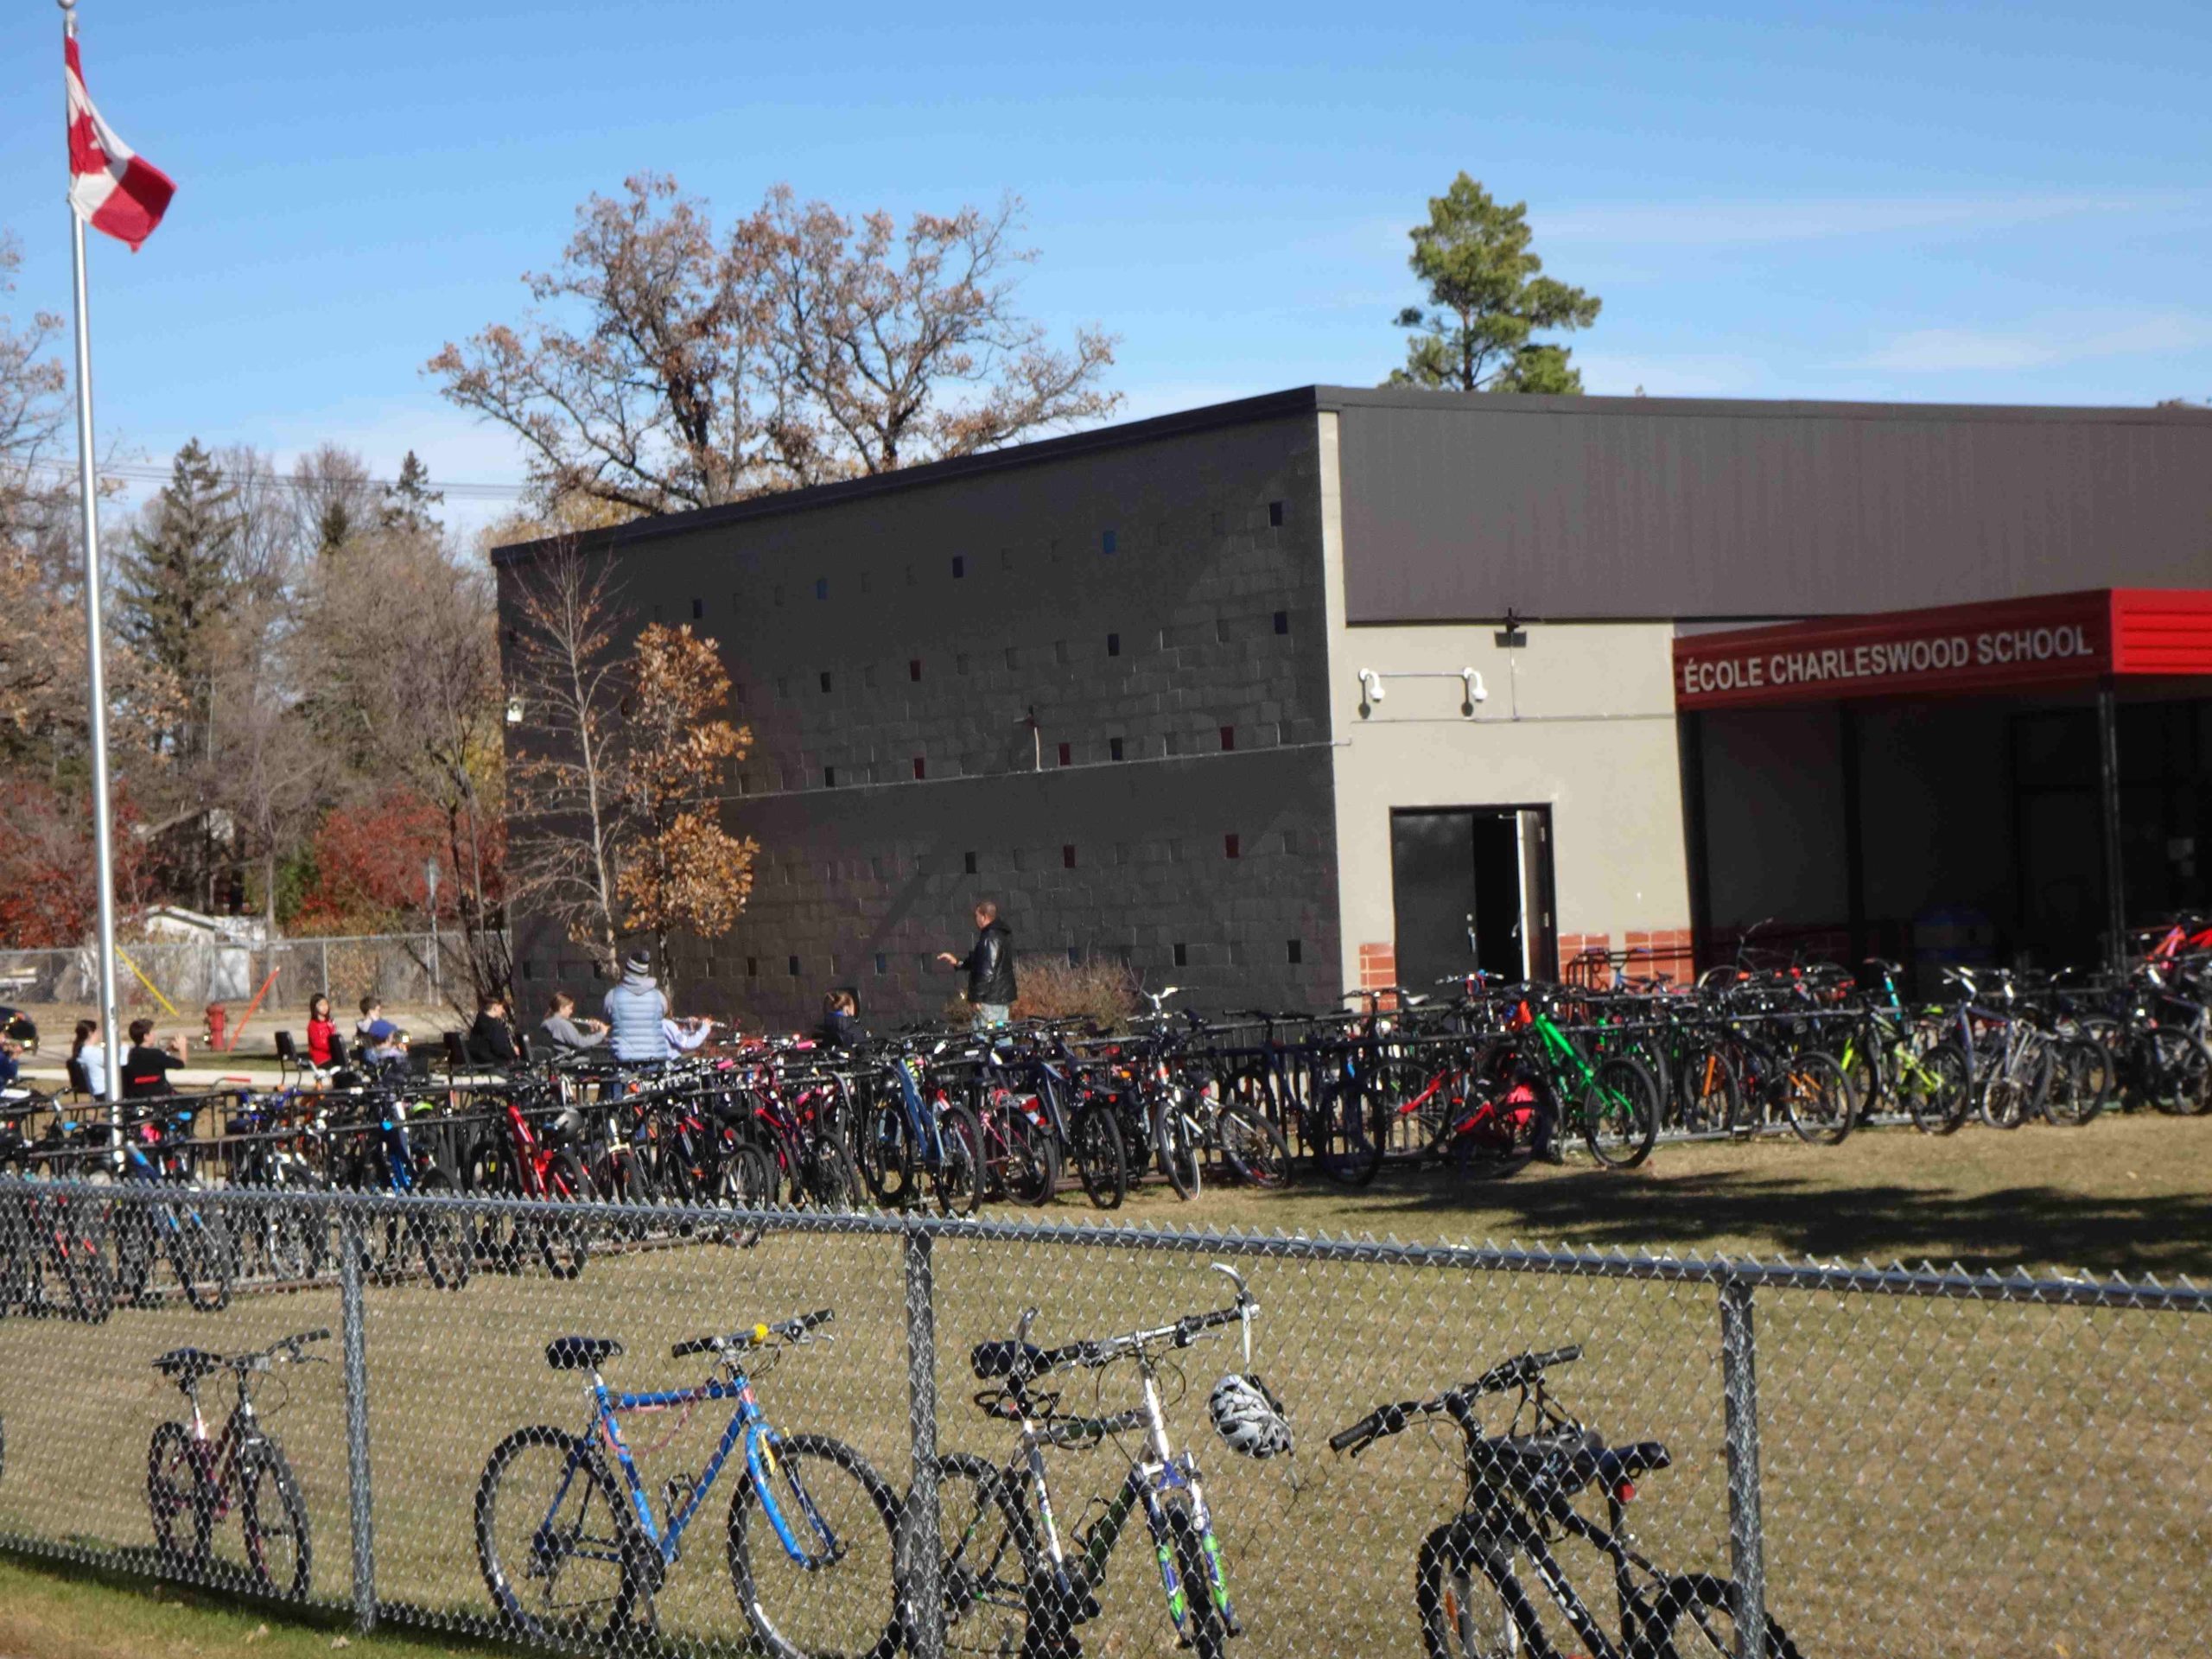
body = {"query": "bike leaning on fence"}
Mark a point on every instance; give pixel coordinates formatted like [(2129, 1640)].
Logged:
[(1008, 1579), (572, 1549), (196, 1480), (1469, 1592)]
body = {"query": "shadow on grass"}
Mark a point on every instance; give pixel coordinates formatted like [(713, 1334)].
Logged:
[(2163, 1234)]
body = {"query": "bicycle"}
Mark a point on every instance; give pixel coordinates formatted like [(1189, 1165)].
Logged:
[(1009, 1580), (196, 1481), (1469, 1592), (516, 1160), (196, 1240), (904, 1136), (571, 1548)]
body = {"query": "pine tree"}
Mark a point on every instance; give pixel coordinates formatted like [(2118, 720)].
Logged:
[(179, 586), (407, 503)]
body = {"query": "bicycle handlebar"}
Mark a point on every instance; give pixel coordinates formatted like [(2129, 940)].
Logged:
[(287, 1347), (794, 1329), (1383, 1420)]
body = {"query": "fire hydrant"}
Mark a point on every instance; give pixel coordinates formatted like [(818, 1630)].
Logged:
[(218, 1021)]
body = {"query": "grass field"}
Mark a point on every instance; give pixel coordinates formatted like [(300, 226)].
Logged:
[(1940, 1477)]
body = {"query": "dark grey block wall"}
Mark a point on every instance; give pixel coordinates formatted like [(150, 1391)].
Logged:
[(1006, 630)]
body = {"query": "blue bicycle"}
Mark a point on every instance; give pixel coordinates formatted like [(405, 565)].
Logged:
[(573, 1549)]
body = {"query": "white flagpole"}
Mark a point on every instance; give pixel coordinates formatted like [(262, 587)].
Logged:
[(95, 671)]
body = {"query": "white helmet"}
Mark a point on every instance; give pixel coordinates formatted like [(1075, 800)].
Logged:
[(1248, 1417)]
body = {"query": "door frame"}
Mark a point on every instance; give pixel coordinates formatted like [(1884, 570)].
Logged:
[(1540, 945)]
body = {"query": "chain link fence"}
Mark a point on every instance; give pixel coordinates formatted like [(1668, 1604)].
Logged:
[(1893, 1463), (181, 977)]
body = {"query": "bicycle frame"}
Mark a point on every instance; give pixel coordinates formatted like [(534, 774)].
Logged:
[(747, 1429)]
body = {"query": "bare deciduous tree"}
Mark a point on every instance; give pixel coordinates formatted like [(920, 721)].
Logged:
[(667, 368)]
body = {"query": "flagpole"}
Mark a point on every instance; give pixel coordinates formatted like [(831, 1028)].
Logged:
[(96, 670)]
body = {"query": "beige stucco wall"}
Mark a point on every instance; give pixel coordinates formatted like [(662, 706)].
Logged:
[(1581, 718)]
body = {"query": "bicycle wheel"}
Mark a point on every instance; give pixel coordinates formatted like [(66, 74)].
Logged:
[(1025, 1163), (824, 1582), (1198, 1567), (1936, 1089), (956, 1172), (988, 1558), (886, 1154), (560, 1554), (2180, 1080), (1345, 1143), (1695, 1613), (201, 1252), (565, 1242), (438, 1237), (1463, 1615), (1709, 1098), (274, 1518), (1620, 1112), (1253, 1148), (495, 1238), (1816, 1097), (78, 1242), (180, 1497), (1094, 1142), (1175, 1143)]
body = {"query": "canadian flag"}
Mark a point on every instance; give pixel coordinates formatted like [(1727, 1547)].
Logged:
[(110, 189)]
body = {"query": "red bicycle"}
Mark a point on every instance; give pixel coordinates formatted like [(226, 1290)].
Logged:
[(515, 1160)]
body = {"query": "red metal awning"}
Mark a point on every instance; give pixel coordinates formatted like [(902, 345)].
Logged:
[(2051, 641)]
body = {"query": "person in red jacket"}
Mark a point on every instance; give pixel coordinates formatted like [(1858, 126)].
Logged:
[(320, 1029)]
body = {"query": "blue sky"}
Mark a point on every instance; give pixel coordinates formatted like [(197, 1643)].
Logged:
[(2008, 204)]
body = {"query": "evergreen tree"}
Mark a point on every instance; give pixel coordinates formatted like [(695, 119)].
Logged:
[(1486, 296), (179, 585), (407, 503)]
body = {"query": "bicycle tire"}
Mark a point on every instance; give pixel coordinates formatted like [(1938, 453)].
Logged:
[(81, 1255), (1347, 1149), (1620, 1112), (272, 1511), (177, 1493), (989, 1560), (1197, 1566), (495, 1238), (1253, 1148), (2181, 1084), (1463, 1614), (1102, 1160), (1174, 1145), (1708, 1095), (564, 1243), (438, 1238), (856, 1636), (956, 1172), (1815, 1098), (887, 1147), (1706, 1601), (576, 1472), (1938, 1090), (2078, 1074)]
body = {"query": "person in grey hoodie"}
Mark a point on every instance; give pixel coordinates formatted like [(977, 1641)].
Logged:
[(568, 1035), (634, 1010)]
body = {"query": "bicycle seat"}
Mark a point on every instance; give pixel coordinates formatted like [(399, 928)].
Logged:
[(1620, 1463), (1017, 1360), (580, 1353), (187, 1364)]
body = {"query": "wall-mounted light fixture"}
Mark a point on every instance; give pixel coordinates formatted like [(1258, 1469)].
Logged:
[(1371, 689)]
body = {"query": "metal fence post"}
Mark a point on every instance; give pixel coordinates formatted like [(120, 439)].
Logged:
[(925, 1610), (1746, 1533), (355, 1340)]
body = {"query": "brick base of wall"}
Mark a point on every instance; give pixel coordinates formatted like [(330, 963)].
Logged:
[(1592, 959)]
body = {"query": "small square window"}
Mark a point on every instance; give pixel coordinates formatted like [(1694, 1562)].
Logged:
[(920, 769), (867, 676), (1111, 543), (1231, 848), (1282, 621), (1067, 856), (968, 863), (698, 609), (829, 777), (1012, 657), (776, 595), (1218, 524), (1113, 748), (1228, 739), (825, 682), (882, 964), (1294, 952), (753, 966), (1006, 558), (867, 582), (1060, 652), (910, 575), (821, 587), (959, 566), (914, 670), (1182, 957), (1221, 630), (1274, 514), (960, 663), (744, 783), (529, 970), (794, 967), (737, 602), (659, 612), (1067, 754), (1113, 645), (1075, 956), (783, 688)]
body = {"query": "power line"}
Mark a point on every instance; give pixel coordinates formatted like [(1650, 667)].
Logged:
[(145, 472)]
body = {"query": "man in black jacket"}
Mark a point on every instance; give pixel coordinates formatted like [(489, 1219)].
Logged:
[(990, 968)]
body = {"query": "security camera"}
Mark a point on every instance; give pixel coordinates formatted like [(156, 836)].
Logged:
[(1371, 685)]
